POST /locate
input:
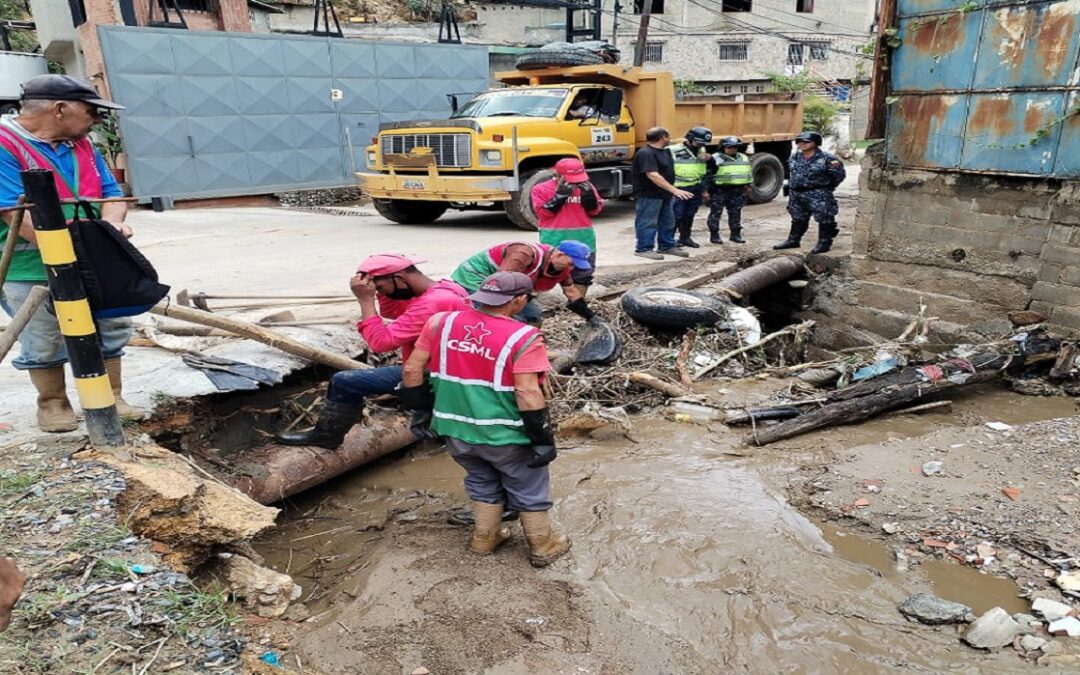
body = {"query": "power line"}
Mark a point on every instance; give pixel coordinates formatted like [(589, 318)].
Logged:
[(805, 16)]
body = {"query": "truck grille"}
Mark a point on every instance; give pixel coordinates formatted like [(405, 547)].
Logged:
[(454, 150)]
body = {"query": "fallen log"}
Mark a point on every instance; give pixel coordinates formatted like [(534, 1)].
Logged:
[(762, 275), (872, 397), (672, 390), (259, 334), (271, 473)]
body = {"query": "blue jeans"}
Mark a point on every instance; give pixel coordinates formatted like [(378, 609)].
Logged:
[(42, 344), (501, 475), (353, 386), (654, 223), (686, 209)]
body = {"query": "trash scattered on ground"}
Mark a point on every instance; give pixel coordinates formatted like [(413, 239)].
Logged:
[(932, 610), (1069, 581), (932, 468), (1069, 626), (999, 426)]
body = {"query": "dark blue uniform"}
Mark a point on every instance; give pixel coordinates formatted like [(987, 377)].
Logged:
[(811, 182)]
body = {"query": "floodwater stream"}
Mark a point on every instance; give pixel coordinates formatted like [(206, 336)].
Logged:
[(685, 559)]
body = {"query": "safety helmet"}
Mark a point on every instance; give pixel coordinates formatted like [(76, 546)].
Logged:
[(730, 141), (699, 135), (812, 136)]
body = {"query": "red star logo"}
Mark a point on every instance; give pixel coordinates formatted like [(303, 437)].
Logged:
[(476, 333)]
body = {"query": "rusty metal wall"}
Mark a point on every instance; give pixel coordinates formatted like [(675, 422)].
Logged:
[(979, 85)]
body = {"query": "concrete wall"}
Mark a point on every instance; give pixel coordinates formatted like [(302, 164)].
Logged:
[(56, 34), (971, 247)]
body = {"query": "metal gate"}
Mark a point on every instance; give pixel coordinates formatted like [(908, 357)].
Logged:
[(218, 114)]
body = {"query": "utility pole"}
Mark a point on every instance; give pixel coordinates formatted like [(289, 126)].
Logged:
[(615, 24), (643, 32)]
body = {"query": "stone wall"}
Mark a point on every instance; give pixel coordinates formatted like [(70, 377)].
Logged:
[(970, 247)]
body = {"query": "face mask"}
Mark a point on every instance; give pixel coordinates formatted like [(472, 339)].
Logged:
[(406, 293)]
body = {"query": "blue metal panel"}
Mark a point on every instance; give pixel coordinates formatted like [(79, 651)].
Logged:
[(937, 52), (1068, 153), (1003, 132), (1028, 46), (911, 7), (927, 130)]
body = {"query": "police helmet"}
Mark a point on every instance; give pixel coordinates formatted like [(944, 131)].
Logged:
[(699, 136), (811, 136), (730, 141)]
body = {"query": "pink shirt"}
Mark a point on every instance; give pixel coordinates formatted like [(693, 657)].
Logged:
[(407, 317), (533, 360), (571, 216)]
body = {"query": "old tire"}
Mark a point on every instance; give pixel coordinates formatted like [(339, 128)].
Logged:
[(672, 308), (551, 58), (519, 209), (409, 212), (768, 173)]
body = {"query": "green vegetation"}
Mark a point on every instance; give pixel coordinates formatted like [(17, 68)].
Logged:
[(21, 40), (687, 88), (194, 610), (819, 112)]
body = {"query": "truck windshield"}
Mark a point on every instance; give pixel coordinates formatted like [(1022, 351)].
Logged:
[(514, 102)]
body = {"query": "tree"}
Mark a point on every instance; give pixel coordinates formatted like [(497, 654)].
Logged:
[(21, 40), (819, 112)]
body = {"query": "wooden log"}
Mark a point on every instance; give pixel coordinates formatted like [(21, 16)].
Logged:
[(10, 336), (906, 387), (271, 473), (259, 334), (666, 388), (12, 239)]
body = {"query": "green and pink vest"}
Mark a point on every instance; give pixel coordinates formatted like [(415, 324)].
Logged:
[(472, 373), (26, 263), (471, 273)]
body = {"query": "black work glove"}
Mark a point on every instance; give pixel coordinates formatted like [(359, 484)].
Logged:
[(419, 402), (588, 197), (581, 308), (786, 189), (556, 203), (541, 435)]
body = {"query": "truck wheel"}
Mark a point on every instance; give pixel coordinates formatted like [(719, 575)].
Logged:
[(408, 212), (556, 57), (672, 308), (768, 173), (9, 108), (519, 209)]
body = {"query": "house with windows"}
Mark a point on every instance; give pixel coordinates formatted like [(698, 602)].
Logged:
[(721, 46)]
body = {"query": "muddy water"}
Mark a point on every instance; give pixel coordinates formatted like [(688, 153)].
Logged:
[(686, 552)]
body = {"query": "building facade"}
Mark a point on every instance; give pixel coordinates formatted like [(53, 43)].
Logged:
[(722, 46)]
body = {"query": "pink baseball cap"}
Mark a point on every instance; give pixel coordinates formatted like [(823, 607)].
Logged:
[(572, 169), (383, 264)]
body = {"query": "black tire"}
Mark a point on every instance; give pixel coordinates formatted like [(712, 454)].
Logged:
[(568, 57), (768, 173), (408, 212), (672, 308), (9, 108), (519, 209)]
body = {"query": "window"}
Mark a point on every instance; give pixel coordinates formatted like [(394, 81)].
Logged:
[(804, 6), (727, 88), (760, 89), (737, 5), (795, 54), (733, 51), (654, 51), (657, 6), (743, 89), (78, 12), (818, 51), (193, 5)]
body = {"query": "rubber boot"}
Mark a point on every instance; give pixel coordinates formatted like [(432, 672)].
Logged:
[(545, 544), (489, 532), (335, 420), (827, 231), (54, 413), (685, 226), (736, 236), (794, 238), (714, 236), (125, 409)]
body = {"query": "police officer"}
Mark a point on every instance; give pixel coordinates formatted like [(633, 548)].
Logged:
[(813, 175), (692, 165), (731, 183)]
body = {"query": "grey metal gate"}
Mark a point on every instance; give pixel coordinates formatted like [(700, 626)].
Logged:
[(218, 114)]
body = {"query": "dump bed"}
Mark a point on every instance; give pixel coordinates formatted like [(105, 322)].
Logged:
[(651, 96)]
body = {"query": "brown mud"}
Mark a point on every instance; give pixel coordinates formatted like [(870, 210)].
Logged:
[(688, 558)]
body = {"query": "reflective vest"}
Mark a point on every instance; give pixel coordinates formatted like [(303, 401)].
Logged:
[(689, 170), (733, 170), (471, 273), (472, 373), (26, 263)]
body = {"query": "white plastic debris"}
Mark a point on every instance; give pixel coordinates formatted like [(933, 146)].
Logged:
[(747, 324), (999, 426), (932, 468), (1070, 626)]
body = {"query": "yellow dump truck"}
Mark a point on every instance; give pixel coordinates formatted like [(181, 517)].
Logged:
[(495, 147)]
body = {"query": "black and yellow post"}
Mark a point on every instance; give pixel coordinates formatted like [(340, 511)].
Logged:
[(72, 309)]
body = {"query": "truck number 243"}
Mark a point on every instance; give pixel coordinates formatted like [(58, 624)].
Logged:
[(602, 136)]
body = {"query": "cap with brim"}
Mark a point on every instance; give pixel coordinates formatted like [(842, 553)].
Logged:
[(578, 252), (572, 170), (502, 287), (64, 88), (383, 264)]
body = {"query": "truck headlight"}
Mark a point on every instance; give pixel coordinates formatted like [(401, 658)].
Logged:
[(371, 158), (491, 157)]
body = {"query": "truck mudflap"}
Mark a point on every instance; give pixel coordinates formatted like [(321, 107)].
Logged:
[(434, 187)]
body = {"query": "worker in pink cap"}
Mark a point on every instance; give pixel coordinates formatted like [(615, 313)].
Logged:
[(396, 300), (564, 208)]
